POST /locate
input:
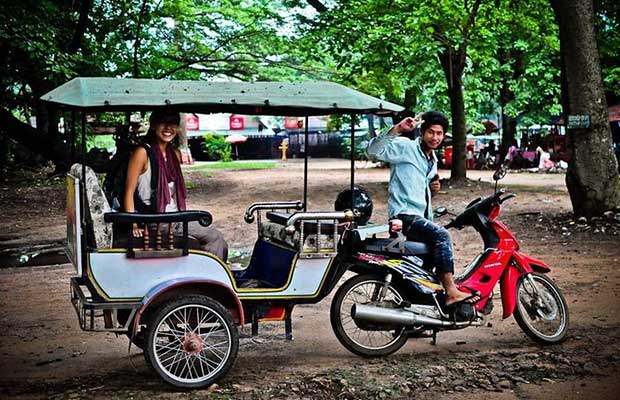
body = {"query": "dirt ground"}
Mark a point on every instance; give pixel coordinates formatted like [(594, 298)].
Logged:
[(44, 354)]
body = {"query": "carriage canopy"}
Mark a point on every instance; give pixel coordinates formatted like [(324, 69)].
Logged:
[(265, 98)]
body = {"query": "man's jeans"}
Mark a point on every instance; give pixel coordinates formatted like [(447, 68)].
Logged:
[(419, 229)]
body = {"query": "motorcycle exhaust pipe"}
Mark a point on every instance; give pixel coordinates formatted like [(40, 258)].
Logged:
[(393, 316)]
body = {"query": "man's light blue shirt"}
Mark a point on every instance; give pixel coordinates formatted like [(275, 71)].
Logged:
[(410, 174)]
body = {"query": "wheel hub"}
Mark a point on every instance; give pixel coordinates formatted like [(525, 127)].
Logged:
[(193, 343)]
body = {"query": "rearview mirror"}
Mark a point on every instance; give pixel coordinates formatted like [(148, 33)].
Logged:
[(500, 172)]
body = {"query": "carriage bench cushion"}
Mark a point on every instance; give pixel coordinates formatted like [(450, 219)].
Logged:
[(97, 206), (327, 227), (277, 233)]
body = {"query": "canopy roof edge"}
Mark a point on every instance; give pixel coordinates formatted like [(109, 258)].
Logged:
[(267, 98)]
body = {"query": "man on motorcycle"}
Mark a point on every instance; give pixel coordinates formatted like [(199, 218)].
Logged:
[(413, 180)]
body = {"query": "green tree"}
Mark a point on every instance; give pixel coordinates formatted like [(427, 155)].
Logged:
[(47, 43), (607, 24), (393, 48), (524, 64), (592, 177)]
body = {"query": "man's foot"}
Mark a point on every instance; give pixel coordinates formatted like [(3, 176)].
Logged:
[(459, 297)]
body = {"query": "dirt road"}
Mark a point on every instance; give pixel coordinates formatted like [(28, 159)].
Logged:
[(45, 355)]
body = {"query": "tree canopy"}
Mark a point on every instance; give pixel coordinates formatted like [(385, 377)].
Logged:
[(499, 58)]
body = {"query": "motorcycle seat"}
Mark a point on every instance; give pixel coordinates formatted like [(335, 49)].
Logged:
[(411, 248)]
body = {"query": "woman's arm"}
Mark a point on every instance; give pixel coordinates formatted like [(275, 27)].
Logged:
[(137, 165)]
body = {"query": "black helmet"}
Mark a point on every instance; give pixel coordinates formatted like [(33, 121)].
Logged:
[(361, 202)]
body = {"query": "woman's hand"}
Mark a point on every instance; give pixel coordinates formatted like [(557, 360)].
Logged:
[(137, 232)]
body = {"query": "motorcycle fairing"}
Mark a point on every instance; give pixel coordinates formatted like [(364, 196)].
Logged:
[(484, 272), (533, 263), (521, 264)]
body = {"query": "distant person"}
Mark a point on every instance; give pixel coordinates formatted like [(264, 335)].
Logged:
[(413, 180), (491, 148), (512, 154)]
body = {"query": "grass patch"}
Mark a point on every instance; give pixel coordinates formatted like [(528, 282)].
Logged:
[(235, 165)]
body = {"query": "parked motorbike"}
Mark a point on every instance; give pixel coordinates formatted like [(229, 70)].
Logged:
[(396, 296)]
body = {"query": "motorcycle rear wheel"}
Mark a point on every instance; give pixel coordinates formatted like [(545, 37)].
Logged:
[(541, 310), (365, 343)]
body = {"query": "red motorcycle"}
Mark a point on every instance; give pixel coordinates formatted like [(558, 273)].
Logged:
[(395, 297)]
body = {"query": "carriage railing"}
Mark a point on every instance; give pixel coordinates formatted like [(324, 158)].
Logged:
[(100, 316), (153, 222), (318, 218)]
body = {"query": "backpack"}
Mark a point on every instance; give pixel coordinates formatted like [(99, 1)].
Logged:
[(114, 182)]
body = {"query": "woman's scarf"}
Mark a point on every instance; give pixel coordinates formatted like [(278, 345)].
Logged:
[(169, 171)]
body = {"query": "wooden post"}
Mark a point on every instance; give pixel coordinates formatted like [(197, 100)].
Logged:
[(170, 237), (147, 239)]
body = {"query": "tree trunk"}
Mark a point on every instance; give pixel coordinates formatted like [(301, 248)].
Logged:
[(36, 140), (507, 95), (509, 131), (592, 176), (452, 65), (459, 131), (411, 99), (509, 123)]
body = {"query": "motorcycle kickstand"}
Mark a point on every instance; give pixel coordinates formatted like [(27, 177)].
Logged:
[(434, 337)]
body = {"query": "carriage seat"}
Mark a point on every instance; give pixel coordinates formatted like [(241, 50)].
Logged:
[(105, 234), (410, 248), (276, 232), (310, 227)]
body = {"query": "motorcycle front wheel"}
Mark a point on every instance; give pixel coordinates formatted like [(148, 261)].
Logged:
[(361, 340), (541, 311)]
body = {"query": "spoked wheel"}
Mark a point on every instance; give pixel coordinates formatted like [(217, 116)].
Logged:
[(364, 339), (192, 341), (541, 310)]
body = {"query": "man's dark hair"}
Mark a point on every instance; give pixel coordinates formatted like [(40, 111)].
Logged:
[(434, 118)]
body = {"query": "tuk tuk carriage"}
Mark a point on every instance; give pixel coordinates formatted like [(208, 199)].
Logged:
[(183, 306)]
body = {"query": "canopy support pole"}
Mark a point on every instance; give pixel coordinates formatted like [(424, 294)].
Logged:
[(83, 189), (73, 135), (352, 160), (306, 164)]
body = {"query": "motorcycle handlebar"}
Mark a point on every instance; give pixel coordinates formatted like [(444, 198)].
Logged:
[(460, 220)]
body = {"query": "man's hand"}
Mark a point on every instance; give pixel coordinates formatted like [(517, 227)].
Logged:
[(435, 185), (408, 124)]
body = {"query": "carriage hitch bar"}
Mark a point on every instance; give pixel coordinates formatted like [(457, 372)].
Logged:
[(345, 216), (270, 205)]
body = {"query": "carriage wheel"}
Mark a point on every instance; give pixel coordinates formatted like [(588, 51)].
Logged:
[(192, 341)]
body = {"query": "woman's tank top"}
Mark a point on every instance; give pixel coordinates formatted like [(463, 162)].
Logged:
[(144, 190)]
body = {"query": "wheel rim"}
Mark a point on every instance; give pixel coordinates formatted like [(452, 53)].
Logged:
[(362, 293), (192, 343), (541, 307)]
